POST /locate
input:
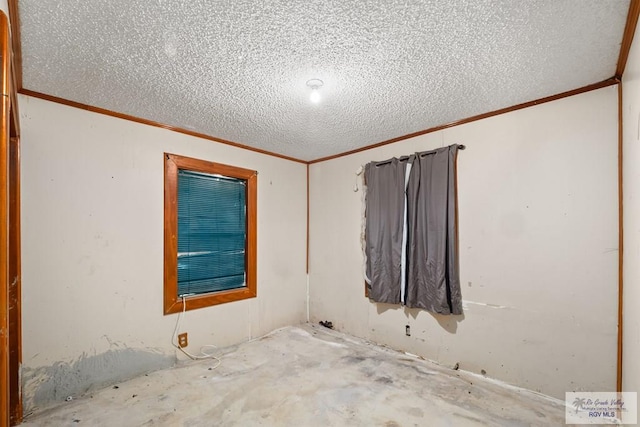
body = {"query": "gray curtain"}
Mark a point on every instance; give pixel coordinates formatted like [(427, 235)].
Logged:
[(432, 277), (433, 281), (384, 223)]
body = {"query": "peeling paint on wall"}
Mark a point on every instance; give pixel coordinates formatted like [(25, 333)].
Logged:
[(466, 306), (48, 384)]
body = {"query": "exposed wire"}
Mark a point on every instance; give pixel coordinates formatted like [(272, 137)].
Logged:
[(203, 355)]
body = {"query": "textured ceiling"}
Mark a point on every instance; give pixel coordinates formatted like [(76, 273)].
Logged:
[(237, 69)]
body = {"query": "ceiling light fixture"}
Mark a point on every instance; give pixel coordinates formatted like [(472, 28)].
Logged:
[(315, 84)]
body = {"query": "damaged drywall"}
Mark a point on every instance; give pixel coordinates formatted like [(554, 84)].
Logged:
[(308, 376), (55, 383)]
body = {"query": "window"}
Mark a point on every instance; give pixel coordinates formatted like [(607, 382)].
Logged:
[(209, 233)]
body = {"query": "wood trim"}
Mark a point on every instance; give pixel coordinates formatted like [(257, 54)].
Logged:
[(4, 224), (599, 85), (16, 42), (14, 278), (15, 284), (627, 37), (605, 83), (14, 114), (173, 304), (152, 123), (170, 233), (308, 223), (620, 243)]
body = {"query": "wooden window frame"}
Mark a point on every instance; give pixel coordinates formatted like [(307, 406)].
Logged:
[(172, 303)]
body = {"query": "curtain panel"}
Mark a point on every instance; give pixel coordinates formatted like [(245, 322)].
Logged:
[(384, 228), (411, 246)]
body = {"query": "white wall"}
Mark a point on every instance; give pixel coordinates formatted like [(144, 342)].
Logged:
[(92, 260), (538, 239), (631, 204)]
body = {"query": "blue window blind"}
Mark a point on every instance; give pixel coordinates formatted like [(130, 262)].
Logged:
[(211, 233)]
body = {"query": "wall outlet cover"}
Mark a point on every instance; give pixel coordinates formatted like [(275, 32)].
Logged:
[(182, 340)]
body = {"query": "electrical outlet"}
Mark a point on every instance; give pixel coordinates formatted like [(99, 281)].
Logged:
[(182, 340)]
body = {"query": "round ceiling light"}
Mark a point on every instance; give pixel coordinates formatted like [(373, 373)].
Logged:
[(315, 84)]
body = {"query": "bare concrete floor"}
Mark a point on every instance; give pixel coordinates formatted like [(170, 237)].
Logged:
[(307, 376)]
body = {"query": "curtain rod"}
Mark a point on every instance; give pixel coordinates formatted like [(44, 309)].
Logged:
[(405, 158), (460, 147)]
